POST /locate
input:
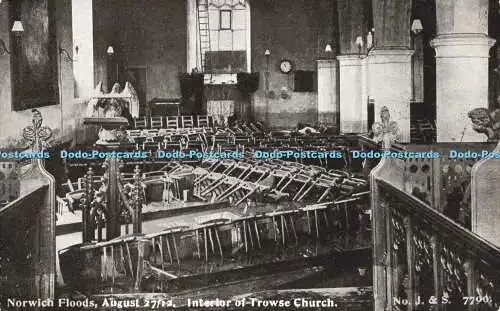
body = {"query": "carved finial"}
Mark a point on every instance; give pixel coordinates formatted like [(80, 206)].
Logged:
[(486, 122), (385, 131), (137, 172), (36, 134)]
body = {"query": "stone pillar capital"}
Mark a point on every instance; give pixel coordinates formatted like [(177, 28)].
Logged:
[(328, 101), (349, 60), (390, 55), (326, 63), (462, 45)]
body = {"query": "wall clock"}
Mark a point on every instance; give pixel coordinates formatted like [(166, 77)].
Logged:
[(286, 66)]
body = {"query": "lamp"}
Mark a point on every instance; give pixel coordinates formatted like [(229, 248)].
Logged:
[(267, 54), (328, 48), (110, 50), (370, 42), (17, 29), (416, 26)]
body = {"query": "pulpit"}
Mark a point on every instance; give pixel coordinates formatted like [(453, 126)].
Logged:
[(111, 129)]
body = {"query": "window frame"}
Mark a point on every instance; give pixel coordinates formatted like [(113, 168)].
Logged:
[(221, 14)]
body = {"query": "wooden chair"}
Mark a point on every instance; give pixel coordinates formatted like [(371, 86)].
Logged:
[(203, 121), (134, 133), (187, 121), (172, 122), (156, 122), (140, 123)]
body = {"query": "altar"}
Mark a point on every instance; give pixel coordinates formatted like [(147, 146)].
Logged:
[(220, 110)]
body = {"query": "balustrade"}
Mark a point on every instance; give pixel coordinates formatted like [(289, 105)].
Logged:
[(423, 259), (27, 226)]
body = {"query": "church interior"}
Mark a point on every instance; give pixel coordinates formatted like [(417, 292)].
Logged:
[(238, 154)]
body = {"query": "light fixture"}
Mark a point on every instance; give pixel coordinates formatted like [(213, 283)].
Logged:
[(267, 54), (370, 43), (416, 26), (328, 48), (17, 29), (110, 50)]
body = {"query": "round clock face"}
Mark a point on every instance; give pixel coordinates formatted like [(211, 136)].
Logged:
[(285, 66)]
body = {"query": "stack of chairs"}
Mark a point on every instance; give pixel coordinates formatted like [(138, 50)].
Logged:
[(70, 193), (275, 180), (173, 122)]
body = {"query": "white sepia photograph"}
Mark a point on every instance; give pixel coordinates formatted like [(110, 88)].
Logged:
[(250, 155)]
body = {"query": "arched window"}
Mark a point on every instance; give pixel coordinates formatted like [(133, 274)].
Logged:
[(220, 34)]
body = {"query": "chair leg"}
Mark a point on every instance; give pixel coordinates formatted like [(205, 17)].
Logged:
[(161, 253), (316, 222), (245, 236), (169, 250), (250, 234), (292, 224), (309, 222), (257, 234), (197, 237), (212, 246), (112, 264), (205, 238), (153, 251), (176, 250), (218, 242)]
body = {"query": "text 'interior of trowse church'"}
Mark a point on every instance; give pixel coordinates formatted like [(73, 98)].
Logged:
[(250, 155)]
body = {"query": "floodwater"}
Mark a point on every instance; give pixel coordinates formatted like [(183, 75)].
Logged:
[(275, 271)]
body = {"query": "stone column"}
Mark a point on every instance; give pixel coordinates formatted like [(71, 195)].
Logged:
[(83, 38), (192, 33), (390, 85), (390, 62), (353, 22), (462, 50), (328, 102), (353, 111)]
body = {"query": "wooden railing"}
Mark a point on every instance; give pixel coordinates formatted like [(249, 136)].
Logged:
[(422, 259), (20, 249), (27, 228)]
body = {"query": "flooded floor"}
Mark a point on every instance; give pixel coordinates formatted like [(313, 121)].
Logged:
[(288, 271)]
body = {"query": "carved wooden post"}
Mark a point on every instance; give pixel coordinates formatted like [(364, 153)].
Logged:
[(389, 257), (142, 252), (436, 265), (411, 263), (485, 179), (385, 132), (137, 197), (470, 273), (113, 225), (379, 246), (45, 270), (86, 201)]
